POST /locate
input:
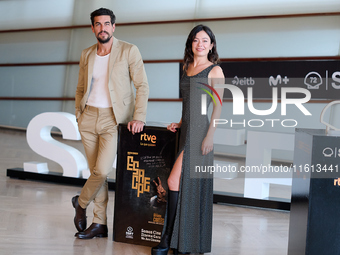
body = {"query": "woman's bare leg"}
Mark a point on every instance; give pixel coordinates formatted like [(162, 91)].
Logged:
[(175, 174)]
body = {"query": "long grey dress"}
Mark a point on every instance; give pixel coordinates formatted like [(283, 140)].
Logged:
[(193, 223)]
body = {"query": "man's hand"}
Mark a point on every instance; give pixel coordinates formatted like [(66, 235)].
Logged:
[(135, 126)]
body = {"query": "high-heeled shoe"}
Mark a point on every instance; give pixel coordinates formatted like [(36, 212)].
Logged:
[(163, 247)]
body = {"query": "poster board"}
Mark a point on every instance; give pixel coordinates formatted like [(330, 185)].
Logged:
[(143, 160)]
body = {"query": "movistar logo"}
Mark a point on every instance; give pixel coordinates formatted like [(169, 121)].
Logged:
[(275, 81)]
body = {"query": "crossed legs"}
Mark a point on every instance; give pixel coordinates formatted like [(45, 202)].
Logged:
[(100, 157), (98, 130)]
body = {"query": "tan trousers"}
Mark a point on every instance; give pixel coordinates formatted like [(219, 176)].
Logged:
[(98, 129)]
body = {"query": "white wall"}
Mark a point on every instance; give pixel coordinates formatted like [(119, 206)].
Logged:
[(282, 37)]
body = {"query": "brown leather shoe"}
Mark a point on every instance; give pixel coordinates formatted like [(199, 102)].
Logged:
[(80, 216), (95, 230)]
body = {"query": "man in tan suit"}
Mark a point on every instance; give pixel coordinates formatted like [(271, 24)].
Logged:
[(104, 98)]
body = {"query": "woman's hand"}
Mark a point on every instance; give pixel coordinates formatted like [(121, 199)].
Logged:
[(207, 145), (174, 126)]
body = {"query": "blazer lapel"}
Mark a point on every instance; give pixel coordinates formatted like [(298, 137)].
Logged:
[(90, 65), (113, 55)]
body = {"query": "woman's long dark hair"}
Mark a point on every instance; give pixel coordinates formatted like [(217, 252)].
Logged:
[(189, 55)]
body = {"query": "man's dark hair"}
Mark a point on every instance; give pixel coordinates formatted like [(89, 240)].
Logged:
[(101, 12)]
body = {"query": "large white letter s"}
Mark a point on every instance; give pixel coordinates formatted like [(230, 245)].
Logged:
[(40, 140)]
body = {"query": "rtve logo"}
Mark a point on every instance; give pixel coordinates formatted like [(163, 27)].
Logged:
[(148, 138), (337, 182)]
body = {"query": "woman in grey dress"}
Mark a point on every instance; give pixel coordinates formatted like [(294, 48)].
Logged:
[(188, 226)]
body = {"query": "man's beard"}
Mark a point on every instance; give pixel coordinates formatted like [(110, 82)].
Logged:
[(103, 41)]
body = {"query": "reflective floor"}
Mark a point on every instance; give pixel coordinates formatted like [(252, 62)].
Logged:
[(37, 217)]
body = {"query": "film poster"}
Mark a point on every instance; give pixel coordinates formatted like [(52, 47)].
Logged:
[(144, 161)]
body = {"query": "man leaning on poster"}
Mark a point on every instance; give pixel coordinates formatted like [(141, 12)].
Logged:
[(104, 98)]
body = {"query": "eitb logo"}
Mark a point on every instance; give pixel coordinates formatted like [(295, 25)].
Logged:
[(204, 97)]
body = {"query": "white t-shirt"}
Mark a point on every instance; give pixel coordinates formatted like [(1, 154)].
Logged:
[(99, 93)]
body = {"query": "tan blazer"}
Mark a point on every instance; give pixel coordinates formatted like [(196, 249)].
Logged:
[(125, 66)]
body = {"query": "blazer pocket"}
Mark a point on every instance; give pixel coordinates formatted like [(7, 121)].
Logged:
[(121, 69), (121, 66), (128, 100)]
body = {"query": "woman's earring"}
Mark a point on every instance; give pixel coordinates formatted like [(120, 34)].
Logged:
[(210, 51)]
